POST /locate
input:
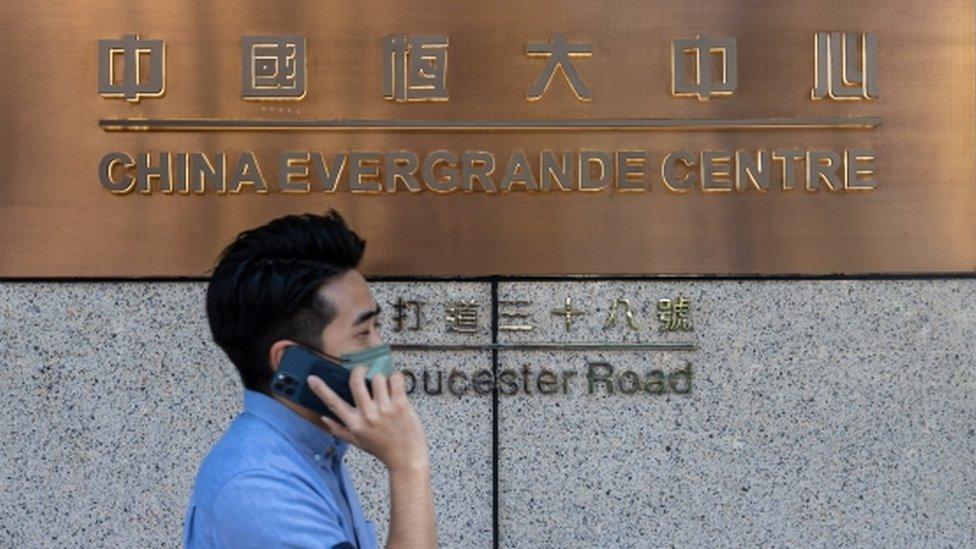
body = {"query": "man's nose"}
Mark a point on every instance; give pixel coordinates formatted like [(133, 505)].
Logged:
[(374, 337)]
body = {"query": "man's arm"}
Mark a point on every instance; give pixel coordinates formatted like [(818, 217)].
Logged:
[(386, 425), (412, 521), (259, 508)]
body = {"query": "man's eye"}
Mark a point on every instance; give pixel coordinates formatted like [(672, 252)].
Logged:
[(366, 333)]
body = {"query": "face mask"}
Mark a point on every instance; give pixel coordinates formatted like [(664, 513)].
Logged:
[(376, 359)]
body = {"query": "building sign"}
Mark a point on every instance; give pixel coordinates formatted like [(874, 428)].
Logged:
[(568, 344), (552, 138)]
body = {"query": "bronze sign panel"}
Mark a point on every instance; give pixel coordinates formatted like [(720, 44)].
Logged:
[(699, 137)]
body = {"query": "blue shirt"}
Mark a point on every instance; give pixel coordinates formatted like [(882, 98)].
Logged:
[(275, 479)]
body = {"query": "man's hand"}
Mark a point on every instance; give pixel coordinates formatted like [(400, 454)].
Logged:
[(387, 426), (384, 424)]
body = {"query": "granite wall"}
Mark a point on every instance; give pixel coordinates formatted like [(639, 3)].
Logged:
[(792, 412)]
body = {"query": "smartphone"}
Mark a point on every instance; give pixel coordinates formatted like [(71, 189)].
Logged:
[(299, 362)]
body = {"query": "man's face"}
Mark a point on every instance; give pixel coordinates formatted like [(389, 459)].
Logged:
[(356, 324)]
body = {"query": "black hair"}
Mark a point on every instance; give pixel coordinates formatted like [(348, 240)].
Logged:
[(265, 285)]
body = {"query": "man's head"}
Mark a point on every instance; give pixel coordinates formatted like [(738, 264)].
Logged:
[(291, 280)]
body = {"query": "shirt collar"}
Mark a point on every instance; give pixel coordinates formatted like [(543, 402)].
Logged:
[(294, 427)]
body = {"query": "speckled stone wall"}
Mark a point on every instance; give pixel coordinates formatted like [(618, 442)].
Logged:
[(819, 413)]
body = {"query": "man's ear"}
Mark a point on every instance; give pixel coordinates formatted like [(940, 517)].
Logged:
[(277, 351)]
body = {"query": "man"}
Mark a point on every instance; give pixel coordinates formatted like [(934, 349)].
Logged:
[(277, 477)]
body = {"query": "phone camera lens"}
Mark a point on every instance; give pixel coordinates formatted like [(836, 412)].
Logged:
[(279, 386), (289, 391)]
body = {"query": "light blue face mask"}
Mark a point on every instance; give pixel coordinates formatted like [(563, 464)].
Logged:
[(376, 359)]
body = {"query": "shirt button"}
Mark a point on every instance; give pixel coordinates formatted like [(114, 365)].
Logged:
[(318, 457)]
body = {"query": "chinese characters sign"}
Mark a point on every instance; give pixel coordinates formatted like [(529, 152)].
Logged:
[(656, 138)]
